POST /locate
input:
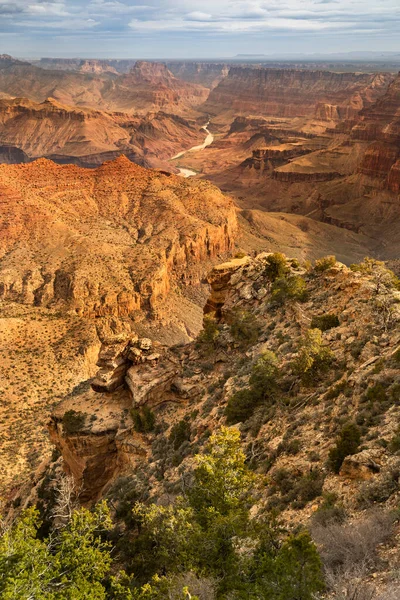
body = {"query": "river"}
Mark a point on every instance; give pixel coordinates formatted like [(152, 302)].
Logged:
[(185, 172)]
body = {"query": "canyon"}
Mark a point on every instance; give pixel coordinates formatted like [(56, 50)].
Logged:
[(143, 207), (295, 93), (146, 86), (88, 137)]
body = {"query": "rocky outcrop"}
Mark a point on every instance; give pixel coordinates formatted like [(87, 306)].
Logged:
[(171, 382), (295, 93), (268, 159), (362, 466), (220, 285), (107, 241)]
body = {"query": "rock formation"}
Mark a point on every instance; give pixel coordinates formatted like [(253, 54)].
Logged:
[(358, 339), (203, 73), (85, 65), (147, 86), (295, 93), (108, 241), (88, 137), (380, 124)]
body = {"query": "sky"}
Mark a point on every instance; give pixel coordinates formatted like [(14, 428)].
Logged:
[(196, 28)]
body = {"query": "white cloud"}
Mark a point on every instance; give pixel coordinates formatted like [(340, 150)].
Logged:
[(252, 15), (234, 19), (198, 16)]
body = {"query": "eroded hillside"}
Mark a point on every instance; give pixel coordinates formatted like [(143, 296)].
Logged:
[(304, 360)]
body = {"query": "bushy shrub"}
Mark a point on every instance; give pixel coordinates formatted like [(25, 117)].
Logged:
[(262, 390), (347, 444), (275, 266), (329, 512), (344, 546), (309, 486), (296, 489), (180, 433), (339, 388), (325, 322), (376, 393), (143, 419), (73, 421), (381, 274), (240, 406), (208, 336), (289, 288), (379, 489), (325, 263), (313, 358), (244, 327)]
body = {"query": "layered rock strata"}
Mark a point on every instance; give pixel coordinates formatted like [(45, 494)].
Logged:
[(295, 93), (107, 241)]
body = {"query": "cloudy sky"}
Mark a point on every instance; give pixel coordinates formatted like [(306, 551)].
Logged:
[(196, 28)]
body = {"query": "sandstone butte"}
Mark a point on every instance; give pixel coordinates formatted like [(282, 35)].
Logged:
[(108, 241)]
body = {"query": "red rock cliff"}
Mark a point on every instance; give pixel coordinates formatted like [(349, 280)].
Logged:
[(294, 93)]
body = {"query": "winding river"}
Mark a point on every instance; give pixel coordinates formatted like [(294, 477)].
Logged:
[(207, 142)]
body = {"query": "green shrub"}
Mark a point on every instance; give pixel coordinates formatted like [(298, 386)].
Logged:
[(313, 358), (240, 406), (381, 274), (208, 336), (310, 486), (379, 489), (376, 393), (292, 447), (276, 266), (244, 327), (289, 288), (347, 444), (396, 355), (325, 322), (334, 391), (73, 421), (180, 433), (325, 263), (263, 386), (143, 419), (328, 512)]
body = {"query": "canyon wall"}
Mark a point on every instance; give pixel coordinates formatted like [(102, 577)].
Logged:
[(88, 137), (147, 86), (108, 241), (295, 93), (206, 74), (380, 124)]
